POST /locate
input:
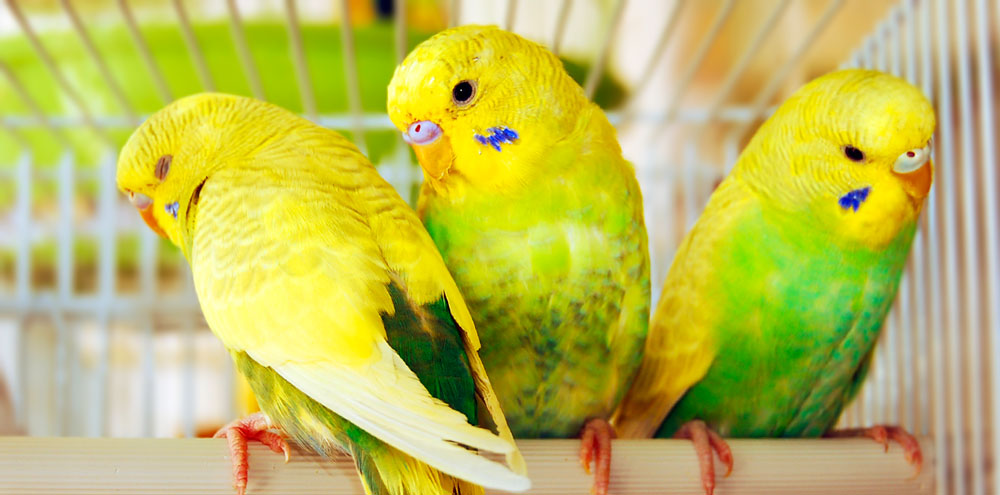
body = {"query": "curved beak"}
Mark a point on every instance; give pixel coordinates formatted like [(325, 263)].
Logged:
[(915, 171), (144, 204), (147, 216), (432, 147)]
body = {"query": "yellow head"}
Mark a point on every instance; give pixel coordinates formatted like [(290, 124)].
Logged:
[(482, 107), (169, 157), (853, 145)]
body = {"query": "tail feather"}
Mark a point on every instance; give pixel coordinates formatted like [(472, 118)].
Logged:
[(388, 471)]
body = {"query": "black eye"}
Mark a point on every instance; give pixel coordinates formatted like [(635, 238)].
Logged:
[(463, 92), (854, 154)]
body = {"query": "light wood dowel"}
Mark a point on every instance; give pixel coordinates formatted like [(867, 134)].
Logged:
[(154, 466)]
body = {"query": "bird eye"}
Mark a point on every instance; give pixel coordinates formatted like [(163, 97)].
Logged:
[(463, 92), (163, 166), (912, 160), (854, 154)]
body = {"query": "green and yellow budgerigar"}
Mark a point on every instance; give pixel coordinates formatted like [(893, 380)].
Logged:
[(775, 299), (539, 218), (328, 293)]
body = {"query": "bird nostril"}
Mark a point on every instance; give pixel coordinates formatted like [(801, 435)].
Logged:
[(417, 128)]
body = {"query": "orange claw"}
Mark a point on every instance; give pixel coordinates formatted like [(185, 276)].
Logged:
[(595, 446), (254, 427), (882, 434), (705, 441)]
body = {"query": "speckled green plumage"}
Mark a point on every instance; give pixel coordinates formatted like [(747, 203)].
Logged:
[(557, 280), (775, 299), (425, 337), (802, 321)]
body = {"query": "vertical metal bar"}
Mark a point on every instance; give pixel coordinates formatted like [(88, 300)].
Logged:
[(594, 76), (64, 290), (562, 16), (991, 222), (510, 15), (243, 50), (107, 195), (402, 40), (148, 256), (764, 96), (659, 47), (353, 81), (22, 215), (697, 59), (187, 377), (690, 163), (102, 67), (147, 56), (752, 50), (57, 74), (946, 189), (933, 252), (192, 45), (299, 58), (455, 13), (970, 255)]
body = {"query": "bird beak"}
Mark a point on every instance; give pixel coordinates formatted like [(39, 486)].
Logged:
[(144, 204), (432, 147), (915, 171)]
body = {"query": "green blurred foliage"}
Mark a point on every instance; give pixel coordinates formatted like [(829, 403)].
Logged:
[(270, 48)]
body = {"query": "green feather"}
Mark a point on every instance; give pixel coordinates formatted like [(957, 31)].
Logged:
[(428, 340), (556, 276), (801, 315)]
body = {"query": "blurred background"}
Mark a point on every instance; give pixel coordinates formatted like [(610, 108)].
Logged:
[(100, 330)]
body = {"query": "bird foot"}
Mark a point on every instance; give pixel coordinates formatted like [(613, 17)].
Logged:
[(882, 434), (705, 442), (253, 427), (596, 446)]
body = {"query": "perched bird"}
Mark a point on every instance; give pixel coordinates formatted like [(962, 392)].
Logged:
[(327, 292), (539, 218), (776, 297)]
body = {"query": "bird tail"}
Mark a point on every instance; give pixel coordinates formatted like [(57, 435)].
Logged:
[(388, 471)]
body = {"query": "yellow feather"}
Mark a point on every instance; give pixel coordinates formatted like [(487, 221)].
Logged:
[(293, 238)]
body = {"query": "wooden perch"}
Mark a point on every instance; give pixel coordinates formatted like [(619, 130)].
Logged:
[(141, 466)]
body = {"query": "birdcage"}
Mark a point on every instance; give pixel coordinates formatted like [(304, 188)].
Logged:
[(100, 331)]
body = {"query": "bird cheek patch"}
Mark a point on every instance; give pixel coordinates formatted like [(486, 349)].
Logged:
[(497, 136), (172, 209), (853, 199)]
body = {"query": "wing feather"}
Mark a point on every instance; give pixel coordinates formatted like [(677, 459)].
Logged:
[(308, 305)]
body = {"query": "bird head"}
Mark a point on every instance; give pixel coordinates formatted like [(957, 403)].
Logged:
[(853, 145), (167, 160), (481, 107)]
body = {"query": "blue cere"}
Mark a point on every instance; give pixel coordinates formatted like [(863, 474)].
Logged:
[(497, 136), (172, 208), (853, 199)]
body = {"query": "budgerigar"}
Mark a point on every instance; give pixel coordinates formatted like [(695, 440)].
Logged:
[(327, 292), (776, 297), (539, 218)]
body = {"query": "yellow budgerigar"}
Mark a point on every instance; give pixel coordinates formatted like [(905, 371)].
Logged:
[(327, 292), (776, 298), (539, 218)]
